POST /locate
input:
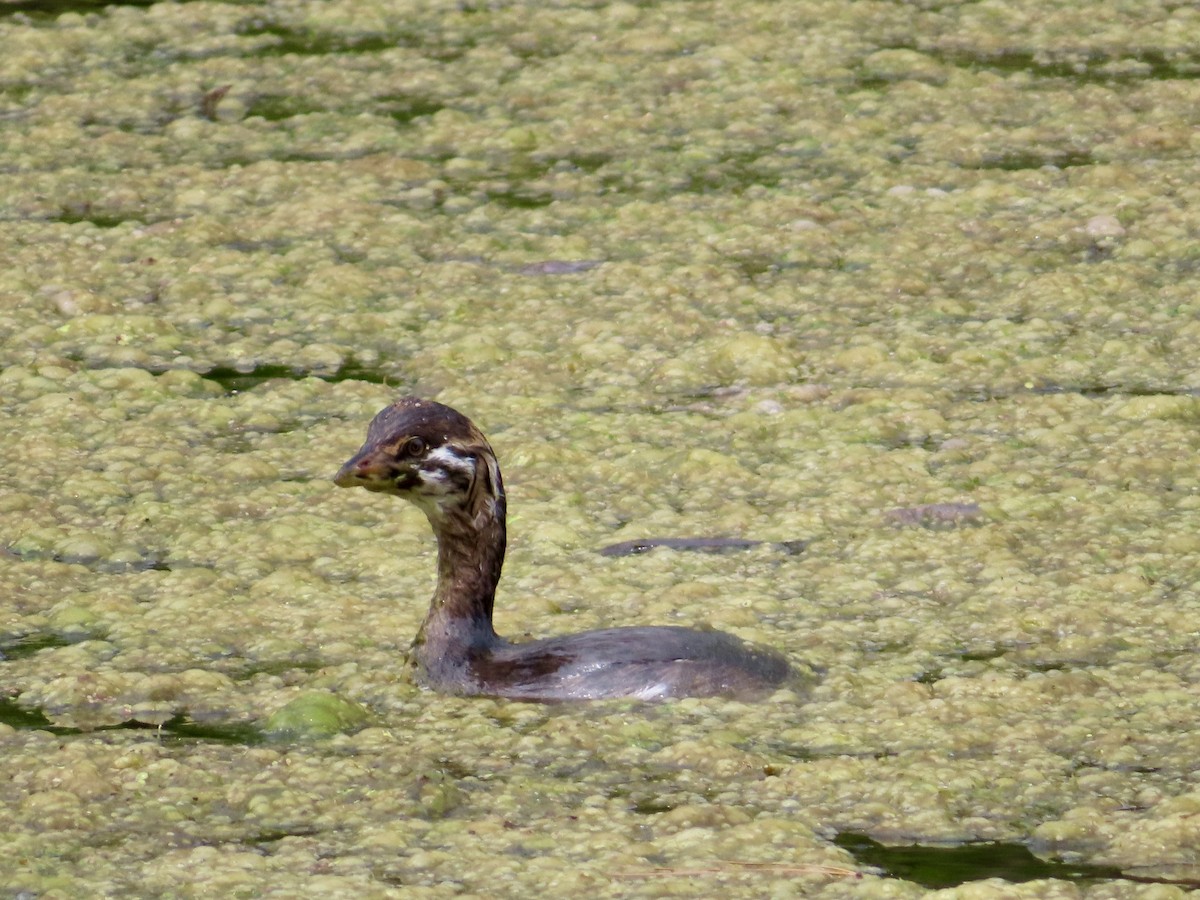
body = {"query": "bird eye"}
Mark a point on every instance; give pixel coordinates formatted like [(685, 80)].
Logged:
[(413, 447)]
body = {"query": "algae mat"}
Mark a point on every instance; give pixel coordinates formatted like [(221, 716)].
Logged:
[(914, 283)]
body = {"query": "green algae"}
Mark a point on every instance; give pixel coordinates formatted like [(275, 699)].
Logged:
[(315, 714), (857, 258)]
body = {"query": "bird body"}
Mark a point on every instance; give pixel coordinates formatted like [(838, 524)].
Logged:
[(435, 457)]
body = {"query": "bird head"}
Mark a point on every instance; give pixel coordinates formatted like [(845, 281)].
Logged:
[(432, 456)]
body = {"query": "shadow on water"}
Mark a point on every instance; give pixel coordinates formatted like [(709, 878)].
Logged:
[(236, 380), (34, 643), (59, 7), (180, 729), (950, 866), (47, 9)]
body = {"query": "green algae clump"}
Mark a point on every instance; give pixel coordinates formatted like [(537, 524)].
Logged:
[(315, 714)]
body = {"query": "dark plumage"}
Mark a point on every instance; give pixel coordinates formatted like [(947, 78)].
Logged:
[(437, 459)]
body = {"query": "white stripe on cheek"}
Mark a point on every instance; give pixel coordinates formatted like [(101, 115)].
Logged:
[(449, 457), (444, 471)]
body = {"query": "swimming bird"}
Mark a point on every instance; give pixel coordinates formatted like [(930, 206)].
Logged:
[(437, 459)]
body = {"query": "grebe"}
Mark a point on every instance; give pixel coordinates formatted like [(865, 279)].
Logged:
[(435, 457)]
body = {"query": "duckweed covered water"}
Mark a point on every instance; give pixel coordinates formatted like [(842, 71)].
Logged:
[(785, 272)]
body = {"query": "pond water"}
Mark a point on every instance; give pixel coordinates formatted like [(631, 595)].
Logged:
[(905, 293)]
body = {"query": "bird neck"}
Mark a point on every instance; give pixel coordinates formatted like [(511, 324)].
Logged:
[(470, 557)]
